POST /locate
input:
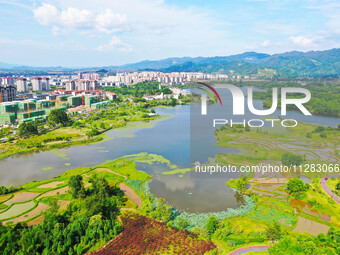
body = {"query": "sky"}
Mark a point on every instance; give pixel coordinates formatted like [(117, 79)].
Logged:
[(79, 33)]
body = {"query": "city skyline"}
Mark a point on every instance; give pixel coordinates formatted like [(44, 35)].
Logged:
[(83, 33)]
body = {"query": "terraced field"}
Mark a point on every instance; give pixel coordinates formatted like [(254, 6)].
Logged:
[(29, 204), (259, 146), (311, 219), (16, 209), (21, 197), (31, 214)]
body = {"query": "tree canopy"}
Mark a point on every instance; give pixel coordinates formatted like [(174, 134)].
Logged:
[(27, 129), (58, 116)]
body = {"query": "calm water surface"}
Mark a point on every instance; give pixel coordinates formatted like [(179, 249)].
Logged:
[(170, 138)]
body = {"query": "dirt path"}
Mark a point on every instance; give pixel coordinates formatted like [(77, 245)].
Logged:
[(131, 194), (109, 170)]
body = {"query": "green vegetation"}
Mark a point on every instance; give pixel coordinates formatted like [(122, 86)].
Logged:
[(178, 171), (240, 184), (275, 231), (307, 244), (297, 188), (27, 129), (84, 223), (211, 225), (77, 186), (16, 209), (10, 189), (88, 221), (288, 64), (291, 159), (274, 146), (58, 117), (140, 89), (325, 95), (79, 130)]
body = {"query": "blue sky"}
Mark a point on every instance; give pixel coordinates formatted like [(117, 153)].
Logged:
[(114, 32)]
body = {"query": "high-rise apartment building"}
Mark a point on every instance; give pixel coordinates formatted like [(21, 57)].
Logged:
[(7, 81), (36, 83), (45, 83), (8, 93), (22, 85), (70, 85), (90, 76)]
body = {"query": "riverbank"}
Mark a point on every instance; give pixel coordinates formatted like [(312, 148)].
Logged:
[(87, 130)]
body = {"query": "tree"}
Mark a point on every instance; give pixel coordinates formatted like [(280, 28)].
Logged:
[(274, 231), (211, 225), (241, 183), (323, 135), (337, 187), (76, 185), (297, 188), (92, 132), (58, 117), (100, 186), (173, 102), (181, 223), (27, 129)]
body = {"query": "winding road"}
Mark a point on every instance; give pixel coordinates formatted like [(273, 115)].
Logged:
[(323, 183), (247, 249)]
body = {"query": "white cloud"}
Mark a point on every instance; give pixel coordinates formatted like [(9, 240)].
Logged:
[(150, 27), (115, 44), (75, 18), (110, 22), (266, 43), (64, 20), (301, 40), (46, 14)]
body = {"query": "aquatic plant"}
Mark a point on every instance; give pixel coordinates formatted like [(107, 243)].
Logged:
[(199, 219)]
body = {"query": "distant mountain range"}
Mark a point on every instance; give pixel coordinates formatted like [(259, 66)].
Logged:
[(289, 64)]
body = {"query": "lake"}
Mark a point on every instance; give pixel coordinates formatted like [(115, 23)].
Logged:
[(172, 137)]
